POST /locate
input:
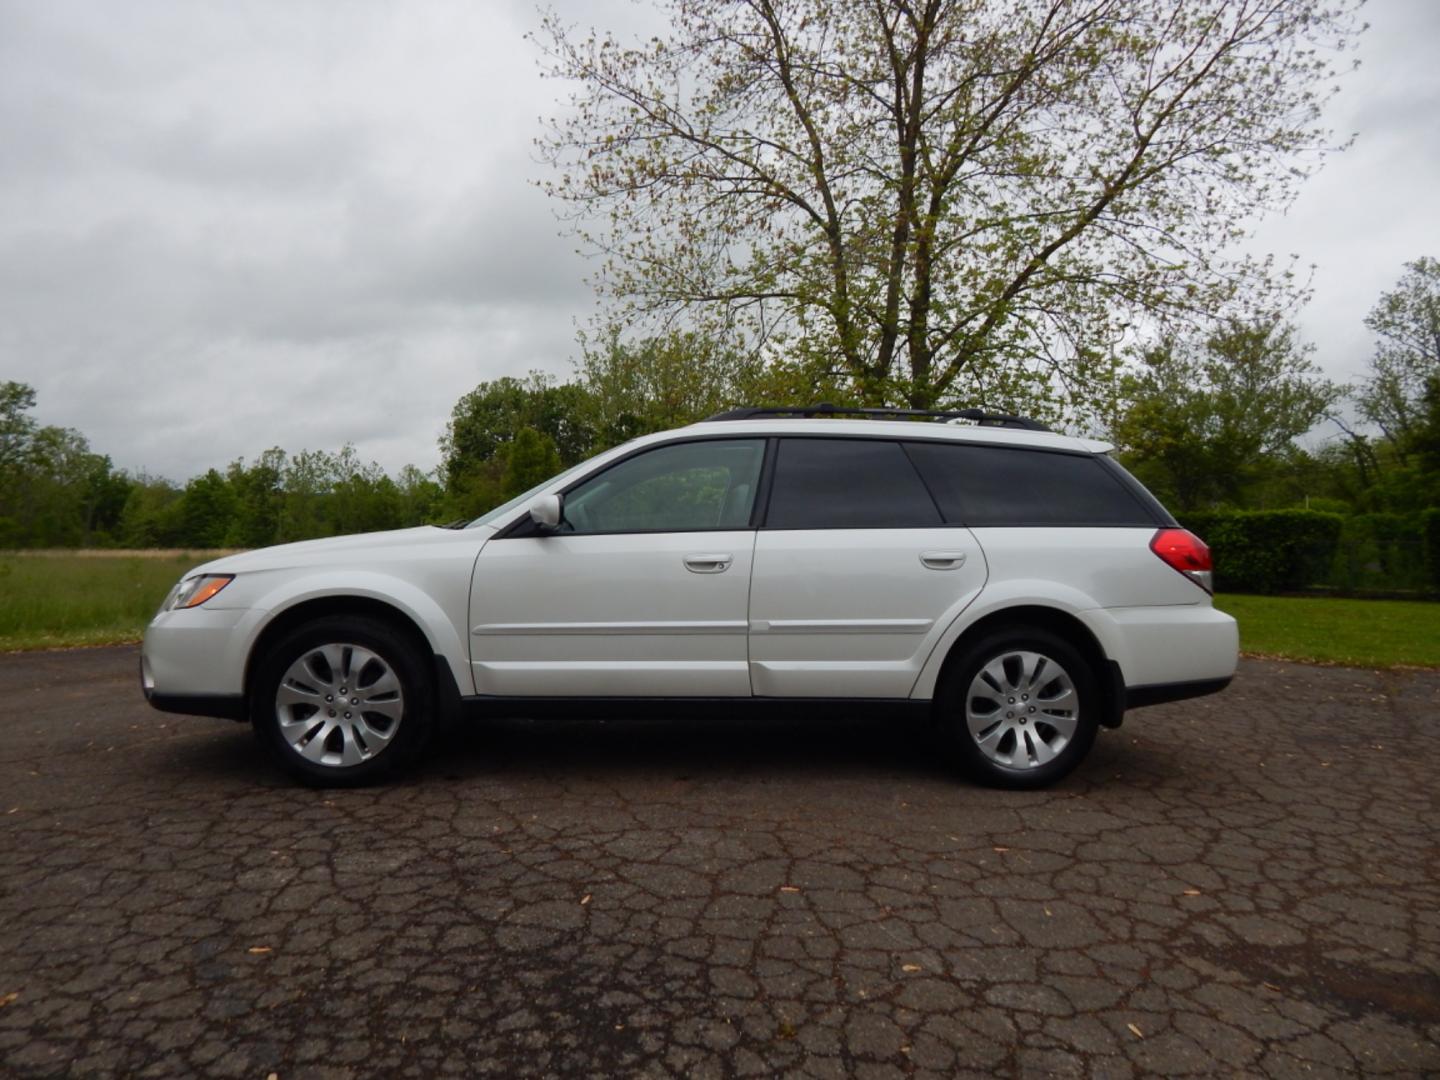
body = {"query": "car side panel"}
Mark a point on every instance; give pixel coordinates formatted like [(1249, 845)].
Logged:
[(854, 612), (1114, 566), (1110, 580), (612, 615)]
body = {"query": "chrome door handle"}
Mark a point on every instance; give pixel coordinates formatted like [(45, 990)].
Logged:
[(708, 564), (942, 560)]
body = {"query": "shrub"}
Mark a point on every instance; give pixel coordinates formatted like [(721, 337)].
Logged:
[(1380, 551), (1268, 551), (1328, 506), (1430, 531)]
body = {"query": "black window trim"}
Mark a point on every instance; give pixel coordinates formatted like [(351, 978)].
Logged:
[(905, 449), (522, 527), (760, 511), (761, 508)]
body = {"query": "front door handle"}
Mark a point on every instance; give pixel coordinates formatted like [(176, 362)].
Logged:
[(942, 560), (708, 564)]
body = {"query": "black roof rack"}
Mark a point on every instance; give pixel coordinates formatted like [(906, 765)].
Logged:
[(980, 416)]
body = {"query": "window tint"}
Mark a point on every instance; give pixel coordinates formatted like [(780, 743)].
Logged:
[(683, 487), (847, 484), (1004, 485), (1158, 514)]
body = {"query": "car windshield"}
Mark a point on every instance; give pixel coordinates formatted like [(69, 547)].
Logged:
[(489, 517)]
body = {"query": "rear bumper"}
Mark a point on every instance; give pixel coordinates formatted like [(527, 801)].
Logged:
[(1162, 649), (1159, 693)]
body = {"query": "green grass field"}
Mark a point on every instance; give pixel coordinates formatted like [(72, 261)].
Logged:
[(58, 599), (1359, 633), (54, 600)]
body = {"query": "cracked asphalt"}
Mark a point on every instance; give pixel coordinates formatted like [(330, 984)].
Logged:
[(1242, 885)]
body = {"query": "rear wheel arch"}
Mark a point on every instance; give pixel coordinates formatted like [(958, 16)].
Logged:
[(1063, 625)]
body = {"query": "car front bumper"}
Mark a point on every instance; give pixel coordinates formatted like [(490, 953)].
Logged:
[(193, 661)]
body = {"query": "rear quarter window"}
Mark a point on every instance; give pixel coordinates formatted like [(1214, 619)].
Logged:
[(1005, 485)]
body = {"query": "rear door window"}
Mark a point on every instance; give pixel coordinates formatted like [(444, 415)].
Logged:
[(847, 484), (1005, 485)]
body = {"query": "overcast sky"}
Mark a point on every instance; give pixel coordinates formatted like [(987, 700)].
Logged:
[(225, 227)]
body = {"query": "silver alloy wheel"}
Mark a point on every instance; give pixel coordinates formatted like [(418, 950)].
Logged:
[(339, 705), (1022, 709)]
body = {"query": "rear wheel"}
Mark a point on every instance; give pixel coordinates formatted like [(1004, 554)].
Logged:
[(342, 701), (1019, 708)]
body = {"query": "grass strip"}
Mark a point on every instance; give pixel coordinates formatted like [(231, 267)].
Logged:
[(50, 601), (1325, 630)]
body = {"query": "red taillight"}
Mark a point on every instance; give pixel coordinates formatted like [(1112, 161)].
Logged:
[(1186, 552)]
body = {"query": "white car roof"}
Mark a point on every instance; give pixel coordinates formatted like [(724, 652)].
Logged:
[(900, 429)]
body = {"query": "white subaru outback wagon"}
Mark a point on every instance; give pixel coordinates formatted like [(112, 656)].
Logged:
[(1015, 585)]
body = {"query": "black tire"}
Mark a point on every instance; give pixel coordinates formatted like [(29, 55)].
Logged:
[(354, 732), (1032, 733)]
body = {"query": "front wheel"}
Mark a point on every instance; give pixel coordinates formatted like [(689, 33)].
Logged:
[(1020, 708), (342, 701)]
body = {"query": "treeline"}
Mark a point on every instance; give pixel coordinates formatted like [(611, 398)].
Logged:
[(275, 499), (1212, 423), (1211, 426), (1209, 421), (508, 434), (56, 492), (503, 437)]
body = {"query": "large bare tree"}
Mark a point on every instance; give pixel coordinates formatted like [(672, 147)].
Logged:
[(941, 199)]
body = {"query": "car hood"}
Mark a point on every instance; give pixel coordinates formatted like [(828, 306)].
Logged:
[(338, 550)]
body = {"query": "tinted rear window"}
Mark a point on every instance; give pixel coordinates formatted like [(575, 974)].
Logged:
[(847, 484), (1004, 485)]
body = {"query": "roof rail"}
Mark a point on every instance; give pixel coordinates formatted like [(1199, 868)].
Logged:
[(980, 416)]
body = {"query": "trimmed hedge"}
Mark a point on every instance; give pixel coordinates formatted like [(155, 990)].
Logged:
[(1381, 551), (1268, 551), (1430, 531)]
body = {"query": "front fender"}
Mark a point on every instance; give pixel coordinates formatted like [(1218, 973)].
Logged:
[(440, 626)]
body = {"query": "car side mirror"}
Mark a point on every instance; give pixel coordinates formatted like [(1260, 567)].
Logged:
[(547, 511)]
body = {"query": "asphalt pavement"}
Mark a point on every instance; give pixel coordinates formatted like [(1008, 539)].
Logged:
[(1242, 885)]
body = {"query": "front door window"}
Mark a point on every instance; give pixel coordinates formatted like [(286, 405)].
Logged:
[(683, 487)]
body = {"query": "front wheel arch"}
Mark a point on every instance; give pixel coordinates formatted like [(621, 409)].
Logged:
[(392, 664), (321, 607)]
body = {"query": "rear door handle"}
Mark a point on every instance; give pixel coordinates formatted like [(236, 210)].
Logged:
[(708, 564), (942, 560)]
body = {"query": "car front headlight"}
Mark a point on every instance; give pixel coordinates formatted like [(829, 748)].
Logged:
[(194, 591)]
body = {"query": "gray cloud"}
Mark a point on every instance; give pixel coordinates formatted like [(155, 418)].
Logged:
[(225, 227), (1372, 208)]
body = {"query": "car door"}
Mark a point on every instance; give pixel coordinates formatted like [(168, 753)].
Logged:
[(855, 575), (642, 593)]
